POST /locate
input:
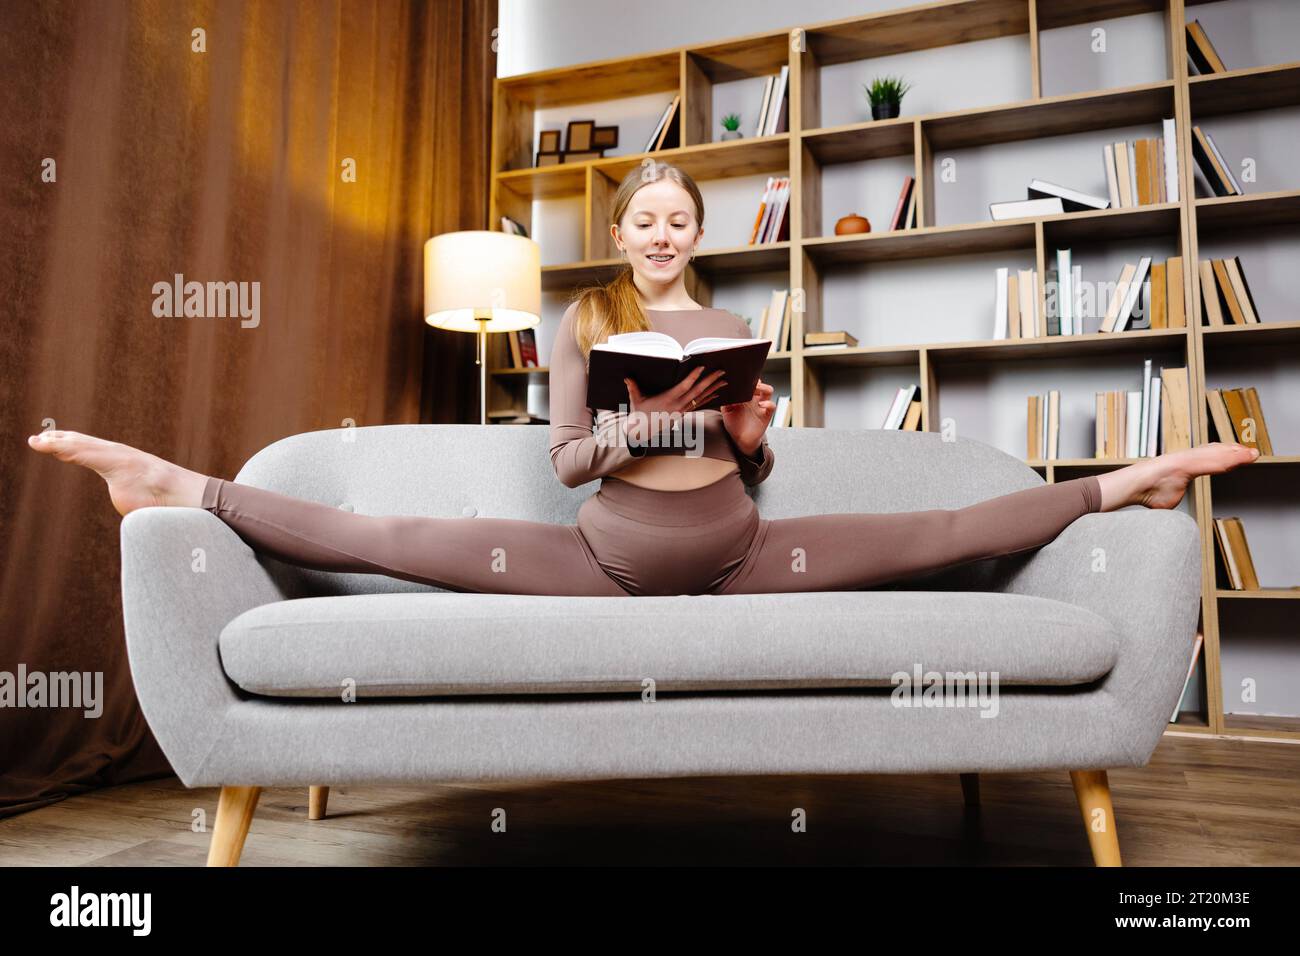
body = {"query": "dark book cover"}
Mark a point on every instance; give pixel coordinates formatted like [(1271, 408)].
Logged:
[(657, 373), (528, 348), (1206, 163)]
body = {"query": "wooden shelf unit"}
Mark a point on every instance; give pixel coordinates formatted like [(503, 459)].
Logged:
[(808, 148)]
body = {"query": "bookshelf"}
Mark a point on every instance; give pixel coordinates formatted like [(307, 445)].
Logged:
[(812, 257)]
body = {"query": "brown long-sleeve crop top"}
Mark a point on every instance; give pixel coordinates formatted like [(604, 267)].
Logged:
[(580, 456)]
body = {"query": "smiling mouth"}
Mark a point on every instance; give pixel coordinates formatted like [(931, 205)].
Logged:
[(661, 259)]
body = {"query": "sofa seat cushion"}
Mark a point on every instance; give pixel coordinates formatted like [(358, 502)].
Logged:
[(431, 644)]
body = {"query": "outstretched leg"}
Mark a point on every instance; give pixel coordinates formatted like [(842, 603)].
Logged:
[(845, 552), (488, 555), (481, 555)]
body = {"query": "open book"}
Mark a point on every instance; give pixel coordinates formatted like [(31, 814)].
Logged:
[(656, 362)]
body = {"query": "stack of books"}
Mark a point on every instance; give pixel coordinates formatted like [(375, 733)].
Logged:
[(1238, 416), (1224, 289), (1046, 199), (828, 341), (774, 114), (1200, 51), (1143, 171), (1212, 166), (772, 222), (1145, 423)]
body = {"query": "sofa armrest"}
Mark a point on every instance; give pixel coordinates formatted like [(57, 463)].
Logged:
[(1140, 570), (185, 575)]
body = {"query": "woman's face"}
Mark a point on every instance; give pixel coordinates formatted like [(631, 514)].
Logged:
[(659, 231)]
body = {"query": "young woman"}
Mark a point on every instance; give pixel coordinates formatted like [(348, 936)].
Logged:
[(671, 515)]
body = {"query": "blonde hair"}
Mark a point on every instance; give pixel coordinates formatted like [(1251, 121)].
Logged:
[(615, 307)]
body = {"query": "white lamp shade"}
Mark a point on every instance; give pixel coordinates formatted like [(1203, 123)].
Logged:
[(475, 274)]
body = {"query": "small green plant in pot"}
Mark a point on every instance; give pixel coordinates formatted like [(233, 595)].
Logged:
[(886, 96), (731, 126)]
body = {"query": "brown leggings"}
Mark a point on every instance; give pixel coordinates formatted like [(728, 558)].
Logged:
[(631, 540)]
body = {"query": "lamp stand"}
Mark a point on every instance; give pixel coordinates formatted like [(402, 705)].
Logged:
[(483, 316)]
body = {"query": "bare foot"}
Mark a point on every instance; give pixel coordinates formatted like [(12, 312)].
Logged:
[(136, 479), (1162, 481)]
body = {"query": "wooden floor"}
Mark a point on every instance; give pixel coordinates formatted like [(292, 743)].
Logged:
[(1200, 802)]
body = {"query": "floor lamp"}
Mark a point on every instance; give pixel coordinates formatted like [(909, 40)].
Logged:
[(481, 281)]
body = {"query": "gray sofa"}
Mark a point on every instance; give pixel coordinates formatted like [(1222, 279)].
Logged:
[(242, 663)]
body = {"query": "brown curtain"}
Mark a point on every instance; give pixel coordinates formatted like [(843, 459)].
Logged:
[(221, 165)]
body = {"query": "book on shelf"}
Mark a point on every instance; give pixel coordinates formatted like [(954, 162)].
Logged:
[(1044, 426), (1112, 176), (1052, 300), (1126, 296), (782, 417), (1066, 296), (1020, 208), (1016, 294), (1028, 287), (523, 349), (838, 338), (1196, 651), (1071, 199), (512, 227), (1225, 294), (1143, 171), (1175, 410), (1170, 160), (1159, 286), (1238, 416), (771, 224), (657, 362), (773, 115), (905, 411), (1146, 422), (1234, 553), (904, 205), (1120, 157), (776, 321), (1001, 315), (1214, 169), (1200, 51), (667, 132)]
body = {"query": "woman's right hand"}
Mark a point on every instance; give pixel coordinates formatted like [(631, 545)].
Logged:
[(686, 396)]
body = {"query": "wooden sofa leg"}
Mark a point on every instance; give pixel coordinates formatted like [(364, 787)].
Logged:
[(1093, 792), (970, 789), (317, 798), (235, 809)]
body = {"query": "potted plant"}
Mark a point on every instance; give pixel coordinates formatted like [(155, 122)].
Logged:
[(731, 126), (886, 95)]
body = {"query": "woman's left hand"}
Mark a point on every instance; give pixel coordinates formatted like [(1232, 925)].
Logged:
[(747, 421)]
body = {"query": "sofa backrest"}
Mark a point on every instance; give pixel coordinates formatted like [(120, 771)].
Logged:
[(504, 471)]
